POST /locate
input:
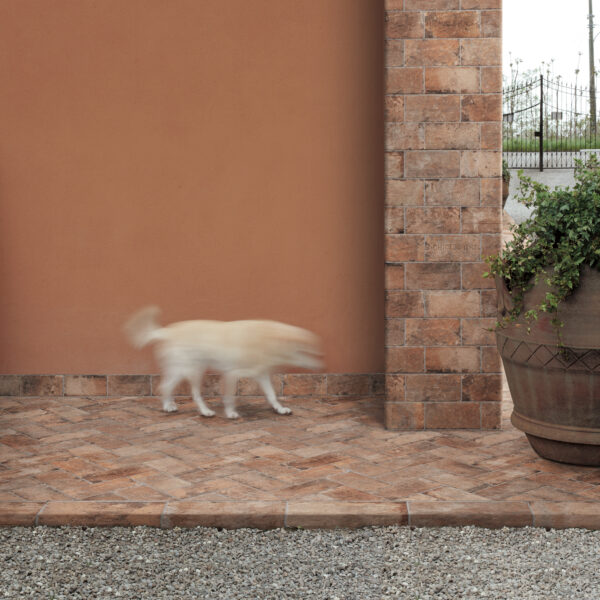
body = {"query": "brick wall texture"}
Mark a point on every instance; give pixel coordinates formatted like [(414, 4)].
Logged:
[(442, 212)]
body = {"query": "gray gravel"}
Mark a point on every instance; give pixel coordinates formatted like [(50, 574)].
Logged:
[(377, 563)]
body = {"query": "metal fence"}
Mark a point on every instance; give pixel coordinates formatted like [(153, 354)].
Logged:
[(546, 124)]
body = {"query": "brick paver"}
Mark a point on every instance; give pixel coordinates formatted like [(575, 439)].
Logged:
[(114, 460)]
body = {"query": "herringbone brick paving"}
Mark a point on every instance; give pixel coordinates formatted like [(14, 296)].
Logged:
[(127, 449)]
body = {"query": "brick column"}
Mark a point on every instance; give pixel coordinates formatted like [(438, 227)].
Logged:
[(443, 212)]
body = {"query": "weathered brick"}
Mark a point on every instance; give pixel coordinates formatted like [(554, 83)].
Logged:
[(427, 53), (433, 332), (394, 387), (452, 80), (42, 385), (482, 107), (394, 165), (432, 163), (403, 248), (404, 304), (491, 192), (85, 385), (432, 276), (482, 388), (476, 332), (489, 303), (491, 24), (472, 276), (404, 416), (394, 53), (394, 108), (394, 332), (404, 192), (402, 359), (445, 248), (454, 24), (490, 245), (480, 4), (482, 163), (491, 136), (404, 136), (129, 385), (477, 219), (404, 80), (394, 277), (10, 385), (462, 359), (491, 415), (452, 136), (432, 220), (491, 80), (490, 360), (433, 108), (394, 219), (433, 388), (452, 192), (481, 52), (452, 415), (404, 25), (431, 4), (443, 190), (304, 384), (453, 304), (348, 385)]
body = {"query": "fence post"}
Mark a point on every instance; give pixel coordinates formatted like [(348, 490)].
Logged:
[(541, 122)]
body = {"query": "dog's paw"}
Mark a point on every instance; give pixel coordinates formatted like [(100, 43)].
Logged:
[(232, 414), (170, 407), (283, 410), (207, 413)]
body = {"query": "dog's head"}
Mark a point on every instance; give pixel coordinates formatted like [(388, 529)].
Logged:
[(307, 353)]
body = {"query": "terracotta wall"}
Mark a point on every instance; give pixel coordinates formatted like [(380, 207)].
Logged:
[(220, 159)]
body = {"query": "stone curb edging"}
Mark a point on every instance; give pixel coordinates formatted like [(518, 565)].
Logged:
[(325, 515)]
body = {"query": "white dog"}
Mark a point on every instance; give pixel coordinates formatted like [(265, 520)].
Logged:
[(251, 349)]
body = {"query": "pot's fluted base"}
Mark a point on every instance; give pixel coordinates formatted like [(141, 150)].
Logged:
[(565, 452)]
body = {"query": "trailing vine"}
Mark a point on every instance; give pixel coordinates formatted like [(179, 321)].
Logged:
[(561, 236)]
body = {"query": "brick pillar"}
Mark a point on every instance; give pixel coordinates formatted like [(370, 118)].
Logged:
[(443, 212)]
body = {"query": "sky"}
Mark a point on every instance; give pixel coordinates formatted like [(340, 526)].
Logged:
[(541, 30)]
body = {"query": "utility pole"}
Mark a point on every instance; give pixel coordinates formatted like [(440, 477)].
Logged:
[(592, 74)]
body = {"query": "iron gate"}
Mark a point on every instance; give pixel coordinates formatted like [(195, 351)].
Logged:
[(546, 124)]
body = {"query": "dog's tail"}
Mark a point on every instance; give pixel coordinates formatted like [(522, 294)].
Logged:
[(142, 327)]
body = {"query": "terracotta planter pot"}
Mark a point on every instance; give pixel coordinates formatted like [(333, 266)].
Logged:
[(556, 391), (505, 188)]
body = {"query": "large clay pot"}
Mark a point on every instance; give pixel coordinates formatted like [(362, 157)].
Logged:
[(556, 390), (505, 191)]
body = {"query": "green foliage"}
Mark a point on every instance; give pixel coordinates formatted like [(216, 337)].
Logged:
[(561, 236), (552, 144), (505, 171)]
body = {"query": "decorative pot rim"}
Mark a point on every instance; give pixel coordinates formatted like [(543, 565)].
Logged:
[(553, 431)]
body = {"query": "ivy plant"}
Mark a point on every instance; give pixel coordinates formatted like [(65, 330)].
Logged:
[(561, 236), (505, 171)]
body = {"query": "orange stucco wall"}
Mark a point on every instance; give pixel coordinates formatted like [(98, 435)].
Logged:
[(220, 159)]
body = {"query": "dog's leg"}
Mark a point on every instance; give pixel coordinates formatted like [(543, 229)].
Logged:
[(229, 396), (265, 383), (166, 387), (195, 381)]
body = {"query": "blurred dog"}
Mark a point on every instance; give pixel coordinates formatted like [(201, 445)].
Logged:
[(253, 349)]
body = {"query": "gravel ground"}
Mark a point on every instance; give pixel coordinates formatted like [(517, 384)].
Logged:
[(373, 563)]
